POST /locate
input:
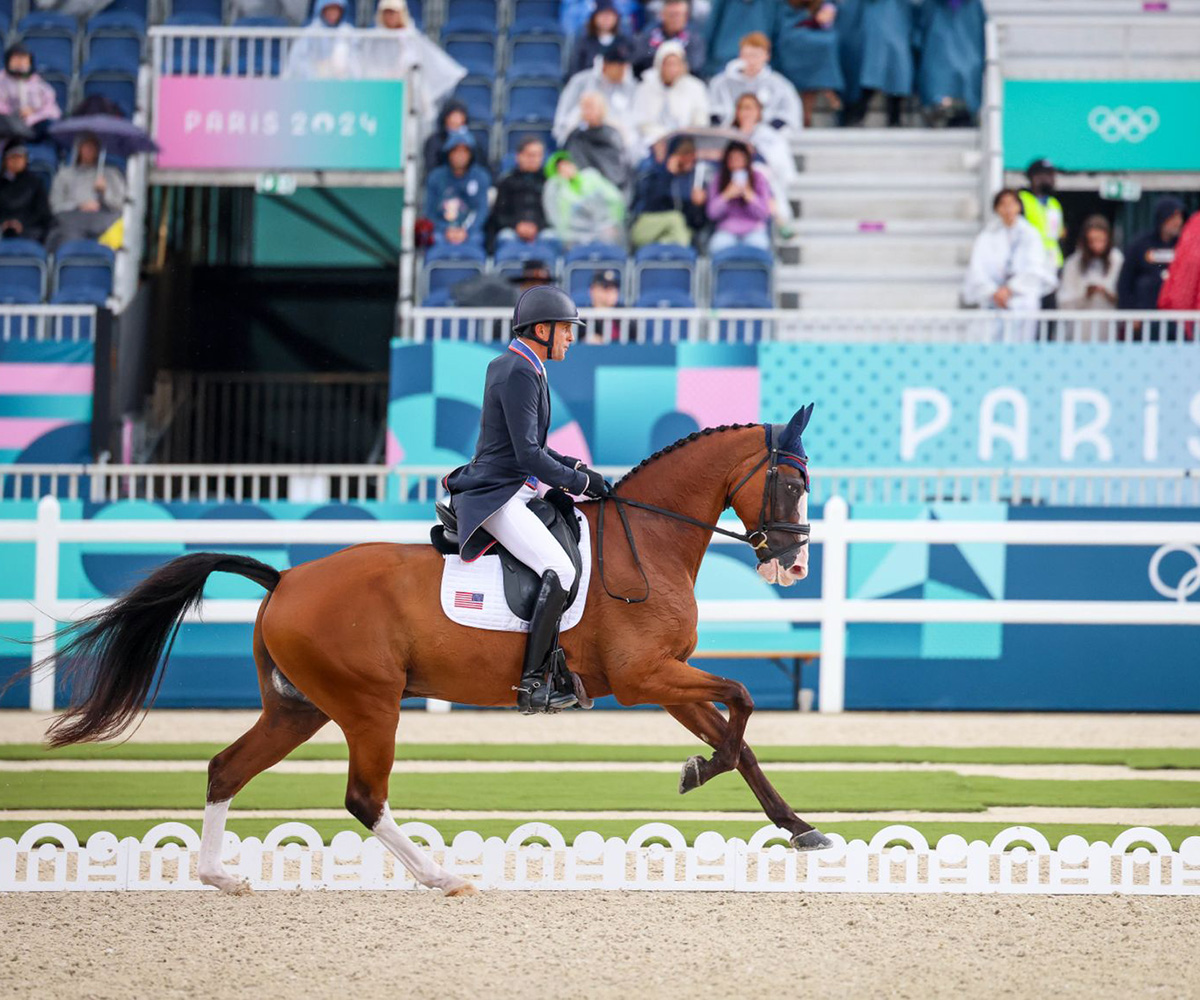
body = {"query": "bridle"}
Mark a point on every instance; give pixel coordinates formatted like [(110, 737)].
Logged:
[(757, 538)]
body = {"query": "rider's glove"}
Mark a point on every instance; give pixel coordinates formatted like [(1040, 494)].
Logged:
[(596, 487)]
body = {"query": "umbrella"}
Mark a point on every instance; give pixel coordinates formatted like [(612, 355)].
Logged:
[(710, 142), (115, 135)]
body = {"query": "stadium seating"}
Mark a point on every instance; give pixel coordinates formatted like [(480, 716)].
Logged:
[(192, 8), (23, 272), (84, 268), (537, 54), (43, 162), (189, 57), (476, 93), (118, 86), (531, 100), (475, 51), (51, 41), (470, 16), (534, 15), (664, 271), (741, 278), (447, 264), (583, 261)]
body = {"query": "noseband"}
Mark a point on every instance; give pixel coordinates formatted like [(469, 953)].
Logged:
[(756, 539)]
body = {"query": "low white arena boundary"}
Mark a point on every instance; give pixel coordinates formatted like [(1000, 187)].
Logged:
[(656, 857)]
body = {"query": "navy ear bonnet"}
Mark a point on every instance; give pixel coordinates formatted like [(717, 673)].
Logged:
[(787, 440)]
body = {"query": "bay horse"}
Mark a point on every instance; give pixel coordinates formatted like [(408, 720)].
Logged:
[(347, 636)]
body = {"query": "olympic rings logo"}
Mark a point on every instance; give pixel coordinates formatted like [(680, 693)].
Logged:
[(1123, 123), (1188, 584)]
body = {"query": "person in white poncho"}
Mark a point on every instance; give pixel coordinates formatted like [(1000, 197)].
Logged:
[(1009, 270), (383, 59), (669, 98), (328, 50)]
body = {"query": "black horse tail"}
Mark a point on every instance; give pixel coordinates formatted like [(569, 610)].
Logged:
[(113, 655)]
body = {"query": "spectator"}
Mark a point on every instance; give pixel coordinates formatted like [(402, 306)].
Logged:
[(602, 32), (581, 206), (1089, 277), (292, 11), (517, 212), (776, 152), (452, 119), (1181, 289), (384, 59), (728, 23), (327, 50), (85, 198), (611, 79), (573, 15), (1045, 213), (604, 292), (669, 199), (669, 98), (24, 94), (751, 74), (597, 144), (456, 193), (674, 25), (806, 52), (1008, 263), (24, 208), (739, 202), (1148, 257), (875, 46), (949, 39)]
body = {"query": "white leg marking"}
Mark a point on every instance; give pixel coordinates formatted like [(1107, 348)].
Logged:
[(212, 836), (424, 869)]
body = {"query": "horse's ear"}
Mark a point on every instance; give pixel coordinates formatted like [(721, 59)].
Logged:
[(798, 422)]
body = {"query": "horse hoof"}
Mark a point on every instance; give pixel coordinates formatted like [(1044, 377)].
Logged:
[(466, 889), (689, 777), (811, 840)]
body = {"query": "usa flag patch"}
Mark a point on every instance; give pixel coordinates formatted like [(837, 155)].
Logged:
[(471, 600)]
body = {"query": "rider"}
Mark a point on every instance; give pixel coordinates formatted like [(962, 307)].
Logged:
[(511, 459)]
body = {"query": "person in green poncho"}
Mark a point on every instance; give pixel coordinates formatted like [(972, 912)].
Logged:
[(582, 206)]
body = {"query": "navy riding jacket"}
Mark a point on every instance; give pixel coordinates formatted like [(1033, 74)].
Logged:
[(511, 449)]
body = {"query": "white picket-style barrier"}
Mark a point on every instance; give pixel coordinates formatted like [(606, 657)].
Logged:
[(833, 610), (656, 857)]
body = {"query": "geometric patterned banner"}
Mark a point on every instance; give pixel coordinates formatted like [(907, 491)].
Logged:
[(45, 402)]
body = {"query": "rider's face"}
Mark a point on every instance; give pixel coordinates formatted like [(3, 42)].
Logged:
[(564, 337)]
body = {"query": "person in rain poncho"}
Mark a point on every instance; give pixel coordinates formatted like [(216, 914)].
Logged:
[(669, 98), (949, 37), (24, 94), (675, 24), (384, 59), (602, 32), (875, 44), (85, 197), (1008, 269), (751, 74), (776, 152), (806, 52), (328, 50), (728, 23), (595, 143), (612, 79), (581, 206)]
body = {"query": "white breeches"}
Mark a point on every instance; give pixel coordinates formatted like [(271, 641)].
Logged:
[(518, 529)]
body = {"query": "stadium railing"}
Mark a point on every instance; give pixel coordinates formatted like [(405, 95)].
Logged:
[(1065, 486), (668, 326), (47, 322), (835, 532)]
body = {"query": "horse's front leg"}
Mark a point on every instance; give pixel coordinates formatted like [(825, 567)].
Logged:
[(673, 683), (709, 725)]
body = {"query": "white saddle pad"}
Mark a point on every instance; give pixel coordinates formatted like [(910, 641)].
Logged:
[(473, 592)]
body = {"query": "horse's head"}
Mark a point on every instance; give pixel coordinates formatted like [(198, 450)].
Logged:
[(772, 497)]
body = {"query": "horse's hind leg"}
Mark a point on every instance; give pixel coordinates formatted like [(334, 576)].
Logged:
[(709, 725), (372, 753)]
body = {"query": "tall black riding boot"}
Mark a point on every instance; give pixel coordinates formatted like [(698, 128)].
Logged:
[(538, 691)]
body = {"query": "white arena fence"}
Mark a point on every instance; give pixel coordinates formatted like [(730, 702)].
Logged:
[(47, 323), (1065, 486), (833, 610), (898, 859), (738, 326)]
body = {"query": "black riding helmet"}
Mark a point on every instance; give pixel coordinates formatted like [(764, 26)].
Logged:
[(543, 304)]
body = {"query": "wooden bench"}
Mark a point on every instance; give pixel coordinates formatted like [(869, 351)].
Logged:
[(787, 651)]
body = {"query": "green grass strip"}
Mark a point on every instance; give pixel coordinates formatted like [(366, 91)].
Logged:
[(1143, 759), (854, 830), (814, 791)]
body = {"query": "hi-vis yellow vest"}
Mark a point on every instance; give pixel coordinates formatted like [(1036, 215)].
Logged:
[(1047, 219)]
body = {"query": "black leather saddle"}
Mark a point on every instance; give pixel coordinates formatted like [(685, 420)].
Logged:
[(557, 512)]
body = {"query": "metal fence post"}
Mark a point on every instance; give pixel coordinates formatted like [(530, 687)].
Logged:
[(832, 683), (45, 603)]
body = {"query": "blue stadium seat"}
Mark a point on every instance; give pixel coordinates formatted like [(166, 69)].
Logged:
[(118, 21), (22, 272), (741, 278), (191, 57), (440, 276), (203, 8), (114, 41), (476, 52), (545, 248), (535, 15), (460, 251), (470, 16), (118, 86), (61, 85), (52, 53), (84, 264), (138, 7), (534, 54), (476, 93), (439, 299), (530, 100), (583, 261), (665, 269), (44, 21), (259, 56), (5, 22), (43, 161)]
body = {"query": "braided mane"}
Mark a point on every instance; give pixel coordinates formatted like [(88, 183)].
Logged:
[(676, 445)]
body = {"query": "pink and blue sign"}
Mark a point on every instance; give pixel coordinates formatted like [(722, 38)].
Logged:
[(245, 123)]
